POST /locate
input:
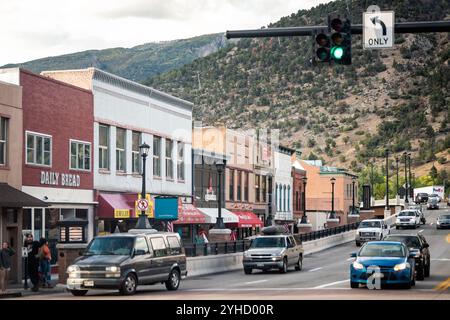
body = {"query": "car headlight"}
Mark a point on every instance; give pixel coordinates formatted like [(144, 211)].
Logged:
[(113, 269), (438, 222), (73, 268), (358, 266), (246, 254), (400, 267)]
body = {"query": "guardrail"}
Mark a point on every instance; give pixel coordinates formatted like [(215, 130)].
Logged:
[(215, 248)]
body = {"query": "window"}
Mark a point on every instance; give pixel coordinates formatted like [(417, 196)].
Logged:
[(246, 186), (258, 197), (39, 149), (157, 156), (180, 161), (239, 185), (174, 245), (159, 247), (289, 198), (103, 147), (231, 184), (136, 157), (80, 155), (297, 202), (284, 198), (263, 188), (3, 140), (141, 245), (169, 160), (121, 135), (276, 196)]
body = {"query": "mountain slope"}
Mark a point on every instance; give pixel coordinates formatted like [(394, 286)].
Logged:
[(137, 63), (347, 115)]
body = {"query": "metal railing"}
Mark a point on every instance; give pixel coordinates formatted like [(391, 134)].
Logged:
[(215, 248)]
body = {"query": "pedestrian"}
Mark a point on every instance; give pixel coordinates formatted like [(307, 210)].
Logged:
[(28, 243), (33, 265), (44, 262), (5, 265)]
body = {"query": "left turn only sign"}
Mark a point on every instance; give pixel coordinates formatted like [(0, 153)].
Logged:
[(378, 30)]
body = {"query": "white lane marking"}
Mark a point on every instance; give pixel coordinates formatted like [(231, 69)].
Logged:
[(261, 289), (421, 231), (350, 259), (444, 259), (253, 282), (316, 269), (331, 284)]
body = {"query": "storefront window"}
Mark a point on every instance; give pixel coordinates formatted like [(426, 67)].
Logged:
[(135, 152), (103, 147)]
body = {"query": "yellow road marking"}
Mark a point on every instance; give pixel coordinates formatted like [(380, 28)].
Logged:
[(444, 285), (448, 238)]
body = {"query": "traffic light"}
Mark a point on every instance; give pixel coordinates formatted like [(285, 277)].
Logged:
[(340, 40), (322, 43)]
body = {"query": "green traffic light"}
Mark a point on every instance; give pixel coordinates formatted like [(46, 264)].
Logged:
[(337, 53)]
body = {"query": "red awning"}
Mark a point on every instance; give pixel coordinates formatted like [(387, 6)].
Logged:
[(116, 205), (248, 219), (188, 214)]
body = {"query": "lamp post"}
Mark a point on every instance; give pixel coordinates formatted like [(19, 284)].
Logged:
[(396, 188), (219, 221), (269, 221), (411, 191), (405, 155), (353, 195), (387, 178), (305, 217), (371, 179), (143, 222), (332, 214)]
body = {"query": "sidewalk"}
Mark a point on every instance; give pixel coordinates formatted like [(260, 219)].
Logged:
[(17, 290)]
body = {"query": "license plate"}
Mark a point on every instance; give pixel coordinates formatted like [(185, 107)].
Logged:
[(260, 264), (88, 283)]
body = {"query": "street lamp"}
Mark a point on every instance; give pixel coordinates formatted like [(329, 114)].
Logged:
[(332, 214), (269, 220), (387, 178), (143, 222), (396, 188), (220, 166), (405, 155), (411, 191), (305, 217), (353, 195)]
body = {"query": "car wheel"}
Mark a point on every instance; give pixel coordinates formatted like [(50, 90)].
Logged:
[(421, 273), (299, 264), (397, 227), (358, 244), (173, 282), (283, 269), (78, 293), (248, 270), (354, 285), (129, 285)]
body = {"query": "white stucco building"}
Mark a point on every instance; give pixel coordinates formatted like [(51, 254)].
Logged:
[(126, 114)]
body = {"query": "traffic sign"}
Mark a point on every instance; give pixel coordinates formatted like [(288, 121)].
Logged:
[(378, 28), (142, 204)]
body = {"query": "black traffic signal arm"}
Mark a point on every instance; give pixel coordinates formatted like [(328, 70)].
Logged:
[(400, 27)]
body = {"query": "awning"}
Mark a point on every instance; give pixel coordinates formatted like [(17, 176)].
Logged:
[(248, 219), (190, 214), (116, 205), (212, 214), (11, 197)]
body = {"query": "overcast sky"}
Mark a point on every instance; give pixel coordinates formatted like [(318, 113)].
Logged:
[(32, 29)]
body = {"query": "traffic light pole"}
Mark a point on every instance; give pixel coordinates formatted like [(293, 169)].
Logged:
[(400, 27)]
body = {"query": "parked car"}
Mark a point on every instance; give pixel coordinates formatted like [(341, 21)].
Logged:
[(125, 260), (435, 195), (415, 242), (433, 202), (390, 262), (408, 218), (421, 198), (422, 216), (277, 251), (370, 230), (443, 221)]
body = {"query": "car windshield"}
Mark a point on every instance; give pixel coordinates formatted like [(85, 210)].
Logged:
[(411, 242), (382, 250), (269, 242), (370, 224), (445, 216), (407, 214), (121, 246)]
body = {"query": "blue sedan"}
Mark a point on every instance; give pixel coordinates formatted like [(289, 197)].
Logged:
[(383, 263)]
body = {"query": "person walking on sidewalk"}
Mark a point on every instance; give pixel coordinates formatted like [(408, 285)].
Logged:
[(44, 263), (28, 243), (33, 265), (5, 265)]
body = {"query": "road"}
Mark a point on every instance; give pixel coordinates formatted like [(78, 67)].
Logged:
[(325, 275)]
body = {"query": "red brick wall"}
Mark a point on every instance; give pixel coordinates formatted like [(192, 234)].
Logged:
[(63, 111), (297, 176)]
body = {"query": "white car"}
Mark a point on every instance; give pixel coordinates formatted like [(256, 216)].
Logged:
[(371, 230), (408, 218)]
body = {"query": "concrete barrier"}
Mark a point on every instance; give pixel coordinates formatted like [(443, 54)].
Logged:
[(203, 265)]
